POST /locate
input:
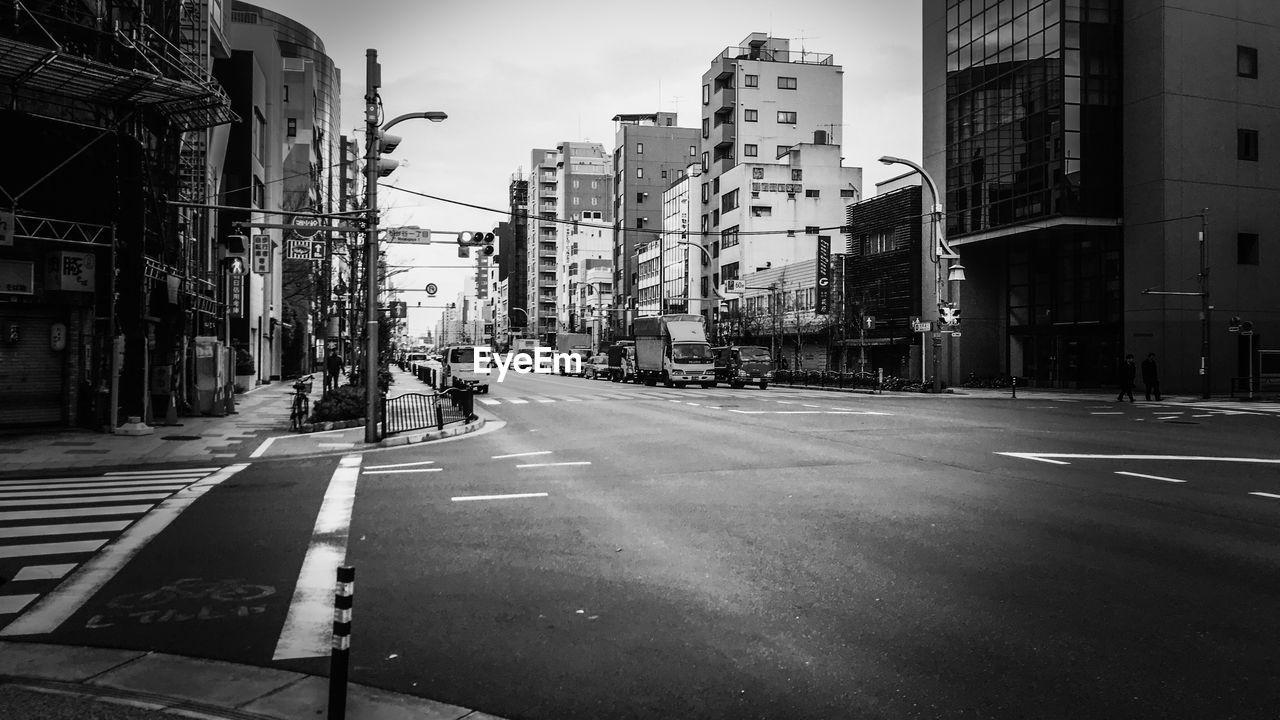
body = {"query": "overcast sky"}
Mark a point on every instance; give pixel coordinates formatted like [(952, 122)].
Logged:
[(514, 75)]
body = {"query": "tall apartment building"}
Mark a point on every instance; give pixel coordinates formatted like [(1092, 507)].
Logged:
[(761, 104), (683, 287), (1085, 146), (540, 239), (650, 152), (513, 257)]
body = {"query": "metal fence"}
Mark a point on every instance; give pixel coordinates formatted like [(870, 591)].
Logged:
[(416, 411)]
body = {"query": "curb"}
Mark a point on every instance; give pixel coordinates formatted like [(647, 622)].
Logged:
[(331, 425), (428, 435)]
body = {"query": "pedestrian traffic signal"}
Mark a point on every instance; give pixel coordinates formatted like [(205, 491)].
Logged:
[(399, 309), (235, 254), (948, 313)]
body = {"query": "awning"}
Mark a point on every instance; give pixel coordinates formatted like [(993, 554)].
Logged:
[(45, 71)]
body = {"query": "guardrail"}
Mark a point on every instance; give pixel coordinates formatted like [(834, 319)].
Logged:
[(417, 411), (1268, 384)]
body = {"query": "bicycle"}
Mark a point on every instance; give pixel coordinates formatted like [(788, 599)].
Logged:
[(301, 403)]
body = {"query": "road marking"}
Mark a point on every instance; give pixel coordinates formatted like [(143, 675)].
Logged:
[(82, 500), (162, 472), (399, 465), (10, 604), (9, 489), (523, 454), (808, 405), (307, 632), (54, 608), (1106, 413), (694, 404), (517, 401), (74, 512), (556, 464), (465, 498), (406, 470), (64, 529), (98, 481), (1045, 457), (488, 401), (28, 492), (61, 548), (44, 572), (1149, 477), (1266, 495), (1210, 415)]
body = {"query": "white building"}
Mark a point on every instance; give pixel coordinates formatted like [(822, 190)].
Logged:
[(588, 237), (685, 289)]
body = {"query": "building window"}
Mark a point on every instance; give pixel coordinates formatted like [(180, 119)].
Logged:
[(730, 271), (640, 223), (761, 211), (260, 135), (811, 193), (286, 93), (259, 192), (639, 148), (797, 175), (728, 237), (706, 94), (706, 192), (1247, 248), (786, 83), (787, 117), (729, 201), (1246, 61), (639, 172), (705, 158), (706, 128), (878, 242), (751, 116), (751, 81), (750, 150), (1246, 144), (641, 197), (292, 127), (757, 173), (847, 193)]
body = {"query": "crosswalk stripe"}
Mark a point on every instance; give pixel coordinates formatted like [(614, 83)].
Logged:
[(10, 604), (101, 478), (517, 401), (163, 472), (83, 500), (44, 572), (74, 512), (57, 548), (539, 398), (488, 401), (35, 485), (64, 529), (5, 494)]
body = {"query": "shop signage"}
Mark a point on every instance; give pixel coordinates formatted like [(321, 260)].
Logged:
[(8, 224), (262, 254), (796, 188), (235, 295), (17, 277), (70, 271), (822, 293)]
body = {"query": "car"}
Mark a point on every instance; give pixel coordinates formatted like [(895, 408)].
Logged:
[(596, 367)]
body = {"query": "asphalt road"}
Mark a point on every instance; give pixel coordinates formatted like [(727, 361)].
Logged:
[(607, 550)]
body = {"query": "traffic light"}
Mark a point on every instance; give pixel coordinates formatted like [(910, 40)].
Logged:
[(235, 254), (948, 313), (464, 249), (487, 246), (387, 144)]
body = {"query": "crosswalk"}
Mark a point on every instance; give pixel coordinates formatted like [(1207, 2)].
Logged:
[(635, 395), (49, 526)]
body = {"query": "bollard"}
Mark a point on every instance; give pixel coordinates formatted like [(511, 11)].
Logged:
[(468, 403), (880, 380), (340, 654), (439, 414), (1015, 387)]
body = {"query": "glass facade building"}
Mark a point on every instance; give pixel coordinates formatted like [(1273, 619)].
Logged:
[(1034, 171)]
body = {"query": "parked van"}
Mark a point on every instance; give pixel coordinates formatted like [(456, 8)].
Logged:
[(458, 369), (738, 365)]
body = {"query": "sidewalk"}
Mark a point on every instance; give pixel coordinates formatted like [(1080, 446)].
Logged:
[(259, 429), (61, 682)]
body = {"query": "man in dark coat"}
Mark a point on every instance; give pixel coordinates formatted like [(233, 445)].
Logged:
[(1151, 376), (332, 370), (1128, 371)]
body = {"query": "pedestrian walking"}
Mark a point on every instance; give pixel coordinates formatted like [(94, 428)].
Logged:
[(333, 366), (1128, 372), (1151, 376)]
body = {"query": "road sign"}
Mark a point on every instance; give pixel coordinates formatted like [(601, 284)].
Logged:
[(411, 234), (309, 221), (262, 254), (432, 289), (304, 250), (921, 326), (955, 333), (735, 286)]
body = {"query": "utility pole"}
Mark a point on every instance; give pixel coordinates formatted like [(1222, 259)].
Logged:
[(372, 82), (1204, 305)]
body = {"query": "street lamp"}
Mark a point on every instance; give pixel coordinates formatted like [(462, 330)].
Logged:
[(377, 142), (941, 251)]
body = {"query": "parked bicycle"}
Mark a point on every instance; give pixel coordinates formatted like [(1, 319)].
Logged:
[(301, 403)]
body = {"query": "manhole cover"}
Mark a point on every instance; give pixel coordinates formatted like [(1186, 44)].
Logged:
[(180, 437)]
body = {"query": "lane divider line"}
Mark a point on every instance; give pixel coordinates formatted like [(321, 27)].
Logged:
[(466, 498), (1149, 477), (555, 464), (399, 465), (402, 472), (308, 630), (523, 454), (1266, 495)]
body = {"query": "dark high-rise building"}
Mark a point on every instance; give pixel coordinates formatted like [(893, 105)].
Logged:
[(1080, 143)]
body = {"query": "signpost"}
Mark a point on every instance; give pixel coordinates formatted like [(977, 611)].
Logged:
[(309, 222), (411, 235), (262, 254)]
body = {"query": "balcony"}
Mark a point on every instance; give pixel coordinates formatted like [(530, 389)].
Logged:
[(766, 55)]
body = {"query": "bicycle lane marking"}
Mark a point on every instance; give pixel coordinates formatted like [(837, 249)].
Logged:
[(308, 626), (57, 606)]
